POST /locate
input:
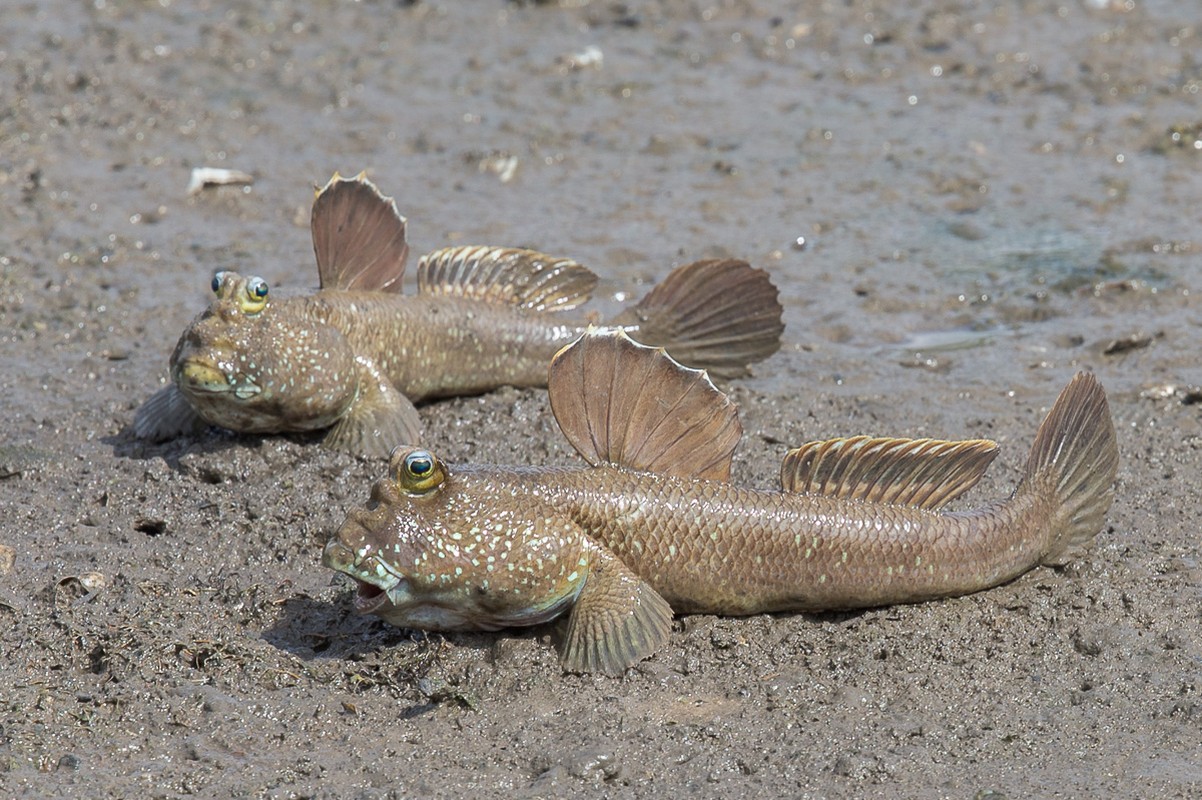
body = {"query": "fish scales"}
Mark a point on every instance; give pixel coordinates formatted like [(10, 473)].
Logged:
[(711, 547), (444, 346)]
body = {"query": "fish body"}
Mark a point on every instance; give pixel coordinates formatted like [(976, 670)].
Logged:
[(354, 357), (300, 360), (492, 345), (655, 526), (714, 548)]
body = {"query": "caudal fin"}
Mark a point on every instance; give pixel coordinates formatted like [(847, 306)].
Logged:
[(719, 315), (1075, 457)]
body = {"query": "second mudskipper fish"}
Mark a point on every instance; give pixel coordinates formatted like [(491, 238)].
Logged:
[(353, 357), (654, 526)]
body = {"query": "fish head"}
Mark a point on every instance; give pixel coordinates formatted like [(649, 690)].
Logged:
[(256, 366), (437, 550)]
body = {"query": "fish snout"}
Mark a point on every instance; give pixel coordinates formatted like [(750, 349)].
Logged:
[(201, 377), (197, 376), (337, 556), (377, 585)]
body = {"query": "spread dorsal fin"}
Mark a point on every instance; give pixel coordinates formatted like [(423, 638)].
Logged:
[(358, 236), (624, 403), (507, 276), (925, 473)]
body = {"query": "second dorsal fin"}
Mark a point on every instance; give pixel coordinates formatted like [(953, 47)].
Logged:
[(623, 403), (358, 236), (506, 275), (925, 473)]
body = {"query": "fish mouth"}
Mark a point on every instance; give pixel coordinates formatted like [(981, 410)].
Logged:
[(377, 586), (373, 598), (197, 377), (369, 598)]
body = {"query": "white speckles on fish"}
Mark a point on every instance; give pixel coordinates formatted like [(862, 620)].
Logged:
[(654, 526), (355, 356)]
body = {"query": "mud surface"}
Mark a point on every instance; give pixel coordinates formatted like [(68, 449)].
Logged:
[(990, 199)]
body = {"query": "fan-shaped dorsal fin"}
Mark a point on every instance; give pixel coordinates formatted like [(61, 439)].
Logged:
[(623, 403), (358, 236)]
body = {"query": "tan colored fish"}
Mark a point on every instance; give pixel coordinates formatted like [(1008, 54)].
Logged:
[(654, 526), (355, 356)]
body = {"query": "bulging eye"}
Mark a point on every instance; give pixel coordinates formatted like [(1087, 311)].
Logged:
[(419, 465), (417, 471), (255, 298), (218, 280)]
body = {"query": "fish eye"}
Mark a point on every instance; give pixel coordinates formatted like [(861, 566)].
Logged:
[(256, 296), (419, 464), (218, 280), (417, 472)]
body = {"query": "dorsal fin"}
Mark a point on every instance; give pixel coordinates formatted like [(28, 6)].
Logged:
[(623, 403), (925, 473), (358, 236), (506, 275)]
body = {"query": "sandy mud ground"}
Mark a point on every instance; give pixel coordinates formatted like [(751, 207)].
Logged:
[(990, 199)]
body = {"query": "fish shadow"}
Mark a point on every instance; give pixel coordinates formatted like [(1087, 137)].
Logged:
[(310, 628), (213, 441), (313, 629), (367, 654)]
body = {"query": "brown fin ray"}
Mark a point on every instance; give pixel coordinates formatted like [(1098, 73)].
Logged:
[(165, 415), (379, 419), (924, 473), (616, 621), (1075, 457), (624, 403), (358, 237), (719, 315), (506, 275)]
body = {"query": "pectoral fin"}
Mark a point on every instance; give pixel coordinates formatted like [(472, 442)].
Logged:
[(505, 275), (379, 419), (621, 402), (358, 236), (925, 473), (165, 415), (616, 622)]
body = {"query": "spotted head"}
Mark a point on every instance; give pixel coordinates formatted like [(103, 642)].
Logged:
[(457, 549), (255, 365)]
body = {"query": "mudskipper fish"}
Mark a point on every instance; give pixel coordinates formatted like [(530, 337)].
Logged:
[(354, 357), (654, 525)]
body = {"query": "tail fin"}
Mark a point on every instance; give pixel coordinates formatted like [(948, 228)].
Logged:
[(717, 315), (1075, 457)]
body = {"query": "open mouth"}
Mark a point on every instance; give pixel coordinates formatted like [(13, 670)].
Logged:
[(369, 598)]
